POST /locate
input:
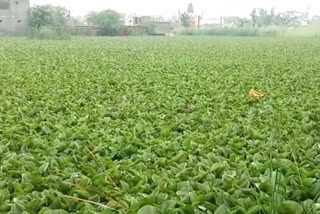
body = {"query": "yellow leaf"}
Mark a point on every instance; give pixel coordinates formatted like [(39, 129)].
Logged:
[(255, 94)]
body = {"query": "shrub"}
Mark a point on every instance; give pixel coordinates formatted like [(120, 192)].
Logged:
[(47, 33), (271, 31), (305, 31), (218, 31)]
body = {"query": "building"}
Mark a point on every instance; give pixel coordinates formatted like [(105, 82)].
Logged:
[(138, 22), (212, 22), (193, 18), (14, 17)]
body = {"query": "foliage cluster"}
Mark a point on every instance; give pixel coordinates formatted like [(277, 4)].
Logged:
[(44, 17), (159, 126), (271, 31), (49, 16), (110, 20), (46, 33)]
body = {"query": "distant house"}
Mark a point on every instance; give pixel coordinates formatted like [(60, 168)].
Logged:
[(213, 22), (230, 21), (224, 22), (160, 27), (14, 17), (137, 20)]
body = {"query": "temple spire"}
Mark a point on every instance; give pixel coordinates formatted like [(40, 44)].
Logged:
[(190, 8)]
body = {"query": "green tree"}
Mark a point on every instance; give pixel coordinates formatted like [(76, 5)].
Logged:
[(290, 19), (184, 19), (111, 20), (243, 22), (265, 18), (254, 17), (49, 16)]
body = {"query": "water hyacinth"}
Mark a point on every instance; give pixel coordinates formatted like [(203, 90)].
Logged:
[(159, 125)]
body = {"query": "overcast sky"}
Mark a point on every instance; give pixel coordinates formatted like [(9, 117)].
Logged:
[(168, 8)]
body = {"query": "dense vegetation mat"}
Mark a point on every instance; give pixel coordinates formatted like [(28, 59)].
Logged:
[(159, 125)]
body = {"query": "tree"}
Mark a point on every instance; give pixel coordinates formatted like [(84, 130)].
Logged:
[(174, 20), (242, 21), (265, 18), (49, 16), (254, 17), (110, 20), (290, 19), (184, 19), (199, 20)]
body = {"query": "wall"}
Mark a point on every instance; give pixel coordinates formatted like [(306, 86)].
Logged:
[(137, 20), (162, 28), (82, 30), (14, 17), (100, 31), (133, 30)]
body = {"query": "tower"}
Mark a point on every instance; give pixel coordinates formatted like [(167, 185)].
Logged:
[(193, 18), (190, 8), (14, 17)]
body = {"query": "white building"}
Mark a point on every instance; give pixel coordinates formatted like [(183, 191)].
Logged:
[(137, 20), (213, 22), (14, 17)]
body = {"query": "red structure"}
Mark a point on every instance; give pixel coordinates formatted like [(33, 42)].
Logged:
[(193, 18)]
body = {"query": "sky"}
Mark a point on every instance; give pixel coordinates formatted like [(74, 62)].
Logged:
[(169, 8)]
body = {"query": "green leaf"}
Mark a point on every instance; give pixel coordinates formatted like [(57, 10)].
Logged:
[(43, 168), (147, 209), (185, 186), (5, 207), (46, 130), (189, 209), (210, 206), (34, 204), (82, 194), (291, 207), (315, 190), (255, 210), (223, 209), (17, 207), (36, 179), (124, 185), (145, 201), (170, 204), (4, 195)]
